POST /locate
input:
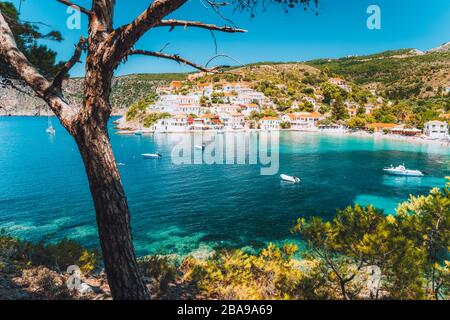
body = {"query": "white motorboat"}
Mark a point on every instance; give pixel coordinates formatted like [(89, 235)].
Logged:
[(288, 178), (50, 129), (138, 133), (202, 147), (151, 155), (403, 171)]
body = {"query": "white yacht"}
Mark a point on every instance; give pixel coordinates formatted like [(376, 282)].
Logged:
[(200, 147), (403, 171), (151, 155), (287, 178)]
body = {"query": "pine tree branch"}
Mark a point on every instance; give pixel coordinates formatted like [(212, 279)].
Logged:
[(176, 58), (182, 23), (57, 81), (70, 4)]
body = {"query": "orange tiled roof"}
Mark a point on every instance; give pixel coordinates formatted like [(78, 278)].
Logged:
[(209, 116), (203, 85), (292, 116), (314, 114), (176, 84), (381, 125)]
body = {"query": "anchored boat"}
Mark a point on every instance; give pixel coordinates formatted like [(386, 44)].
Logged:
[(288, 178), (202, 147), (50, 129), (151, 155), (403, 171)]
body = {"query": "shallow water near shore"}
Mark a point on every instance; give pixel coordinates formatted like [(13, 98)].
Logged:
[(179, 209)]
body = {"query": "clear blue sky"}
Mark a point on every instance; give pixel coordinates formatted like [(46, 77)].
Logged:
[(339, 30)]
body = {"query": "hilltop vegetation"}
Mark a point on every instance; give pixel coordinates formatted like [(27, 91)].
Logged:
[(399, 74), (288, 84)]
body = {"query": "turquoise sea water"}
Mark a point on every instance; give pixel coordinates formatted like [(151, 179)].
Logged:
[(192, 208)]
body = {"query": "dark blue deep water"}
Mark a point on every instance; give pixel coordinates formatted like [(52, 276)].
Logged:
[(192, 208)]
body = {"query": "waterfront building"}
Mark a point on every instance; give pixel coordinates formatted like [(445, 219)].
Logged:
[(436, 129), (270, 123), (302, 120), (177, 123), (380, 127)]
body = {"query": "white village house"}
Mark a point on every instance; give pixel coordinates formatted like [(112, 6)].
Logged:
[(270, 123), (225, 108), (249, 108), (436, 129), (233, 120), (341, 83), (177, 104), (302, 120), (178, 123)]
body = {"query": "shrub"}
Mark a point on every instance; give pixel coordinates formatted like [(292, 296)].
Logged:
[(285, 125), (151, 118), (46, 282), (237, 275), (58, 255), (139, 107), (161, 270)]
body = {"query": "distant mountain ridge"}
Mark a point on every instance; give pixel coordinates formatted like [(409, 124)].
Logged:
[(445, 47), (16, 98)]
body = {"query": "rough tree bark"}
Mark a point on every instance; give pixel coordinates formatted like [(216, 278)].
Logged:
[(113, 218), (106, 48)]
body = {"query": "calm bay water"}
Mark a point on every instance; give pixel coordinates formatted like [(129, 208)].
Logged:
[(184, 208)]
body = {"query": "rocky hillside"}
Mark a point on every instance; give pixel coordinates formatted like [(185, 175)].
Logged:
[(397, 74), (18, 99)]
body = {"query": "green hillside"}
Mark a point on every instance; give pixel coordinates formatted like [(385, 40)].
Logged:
[(397, 74)]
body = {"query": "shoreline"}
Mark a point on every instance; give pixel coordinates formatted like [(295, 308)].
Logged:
[(341, 133), (361, 133), (43, 115)]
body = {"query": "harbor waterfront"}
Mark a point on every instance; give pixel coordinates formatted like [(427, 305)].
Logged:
[(181, 209)]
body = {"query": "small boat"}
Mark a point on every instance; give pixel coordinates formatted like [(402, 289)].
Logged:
[(138, 133), (403, 171), (151, 155), (202, 147), (50, 129), (288, 178)]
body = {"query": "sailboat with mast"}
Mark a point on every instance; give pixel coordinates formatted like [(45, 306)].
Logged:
[(50, 129)]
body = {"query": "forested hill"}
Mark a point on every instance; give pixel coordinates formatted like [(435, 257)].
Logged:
[(396, 74), (17, 99)]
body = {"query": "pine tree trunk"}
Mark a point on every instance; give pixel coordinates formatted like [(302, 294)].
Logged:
[(113, 216)]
